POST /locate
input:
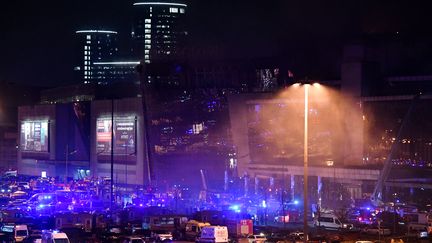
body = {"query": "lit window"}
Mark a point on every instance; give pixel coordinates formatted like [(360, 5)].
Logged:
[(147, 26), (146, 51), (182, 10), (86, 63), (147, 36), (147, 31), (85, 72), (173, 10), (147, 41), (85, 52), (147, 46), (146, 56), (88, 42), (147, 21), (88, 37)]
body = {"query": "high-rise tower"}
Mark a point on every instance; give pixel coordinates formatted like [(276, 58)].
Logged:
[(158, 30), (94, 46)]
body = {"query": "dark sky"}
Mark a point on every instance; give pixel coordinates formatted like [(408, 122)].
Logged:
[(36, 41)]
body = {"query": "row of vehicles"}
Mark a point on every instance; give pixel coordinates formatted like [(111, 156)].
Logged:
[(21, 233)]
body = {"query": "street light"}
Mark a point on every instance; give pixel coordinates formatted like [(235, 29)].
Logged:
[(306, 84), (305, 163)]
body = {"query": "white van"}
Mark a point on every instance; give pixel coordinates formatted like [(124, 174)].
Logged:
[(54, 237), (213, 234), (329, 221), (21, 233)]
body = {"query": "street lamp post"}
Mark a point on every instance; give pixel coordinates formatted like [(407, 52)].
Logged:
[(306, 84), (305, 164)]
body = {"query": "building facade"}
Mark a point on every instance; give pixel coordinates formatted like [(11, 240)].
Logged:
[(158, 29), (94, 46), (74, 140)]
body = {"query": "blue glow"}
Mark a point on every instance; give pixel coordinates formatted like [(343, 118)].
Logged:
[(160, 3), (235, 208), (264, 204), (296, 202)]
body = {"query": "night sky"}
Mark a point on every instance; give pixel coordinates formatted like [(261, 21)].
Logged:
[(37, 36)]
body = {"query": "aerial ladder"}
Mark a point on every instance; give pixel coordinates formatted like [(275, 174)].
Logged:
[(377, 195), (203, 193)]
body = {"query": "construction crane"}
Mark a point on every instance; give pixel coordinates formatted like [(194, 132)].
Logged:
[(377, 195)]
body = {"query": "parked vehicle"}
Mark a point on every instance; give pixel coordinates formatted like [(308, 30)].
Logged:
[(213, 234), (193, 229), (330, 221), (160, 235), (54, 237), (21, 233), (257, 238)]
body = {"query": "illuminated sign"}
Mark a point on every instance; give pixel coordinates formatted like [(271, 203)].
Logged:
[(124, 135), (34, 136)]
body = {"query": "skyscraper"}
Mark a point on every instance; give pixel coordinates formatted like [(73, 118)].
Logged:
[(94, 46), (158, 29)]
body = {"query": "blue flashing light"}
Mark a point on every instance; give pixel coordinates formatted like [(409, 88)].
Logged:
[(235, 208), (296, 202), (264, 204), (368, 208)]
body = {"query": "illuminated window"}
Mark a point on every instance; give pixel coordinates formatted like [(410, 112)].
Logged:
[(147, 36), (85, 52), (88, 37), (146, 56), (85, 72), (182, 10), (147, 41), (88, 42), (173, 10), (146, 51), (147, 31), (147, 26), (147, 21), (147, 47)]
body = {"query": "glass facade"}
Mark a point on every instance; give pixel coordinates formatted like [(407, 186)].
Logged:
[(94, 46), (158, 29)]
